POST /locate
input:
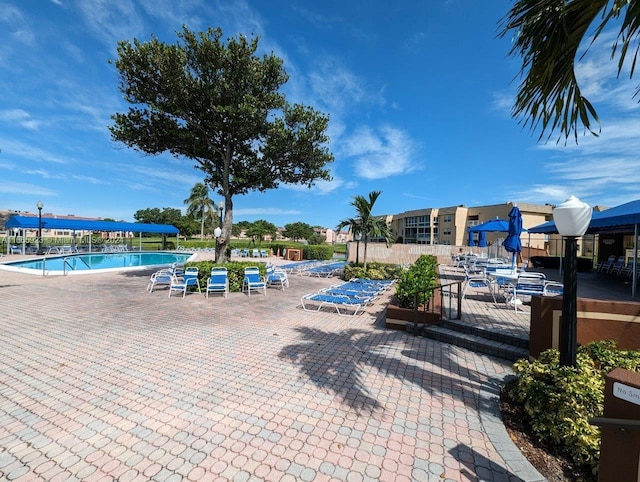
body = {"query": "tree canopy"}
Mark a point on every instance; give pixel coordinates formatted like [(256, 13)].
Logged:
[(547, 35), (218, 104), (201, 206), (365, 223), (298, 231)]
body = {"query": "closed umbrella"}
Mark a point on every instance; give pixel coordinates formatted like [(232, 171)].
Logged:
[(482, 239), (512, 242)]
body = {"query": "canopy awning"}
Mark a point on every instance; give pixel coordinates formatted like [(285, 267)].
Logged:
[(32, 222), (620, 218)]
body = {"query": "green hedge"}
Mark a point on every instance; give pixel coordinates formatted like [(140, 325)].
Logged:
[(235, 272), (321, 251), (375, 270), (560, 400)]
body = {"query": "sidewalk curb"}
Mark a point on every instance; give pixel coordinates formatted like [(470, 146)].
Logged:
[(491, 420)]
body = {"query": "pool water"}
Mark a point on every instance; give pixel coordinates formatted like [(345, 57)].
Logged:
[(99, 261)]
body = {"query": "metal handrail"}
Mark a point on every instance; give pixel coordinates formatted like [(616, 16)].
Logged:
[(617, 423), (443, 288)]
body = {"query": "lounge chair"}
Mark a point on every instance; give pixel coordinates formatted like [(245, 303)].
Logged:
[(364, 297), (343, 305), (218, 282), (253, 281)]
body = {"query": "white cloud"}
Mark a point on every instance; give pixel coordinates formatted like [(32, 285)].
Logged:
[(388, 152), (19, 117), (265, 212), (24, 188)]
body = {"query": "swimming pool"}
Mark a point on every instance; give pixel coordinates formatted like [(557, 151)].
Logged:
[(91, 263)]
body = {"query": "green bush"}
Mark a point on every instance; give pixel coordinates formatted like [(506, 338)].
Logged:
[(318, 251), (560, 400), (235, 272), (375, 270), (417, 283)]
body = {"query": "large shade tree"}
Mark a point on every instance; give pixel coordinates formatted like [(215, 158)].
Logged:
[(200, 205), (365, 223), (548, 34), (220, 105)]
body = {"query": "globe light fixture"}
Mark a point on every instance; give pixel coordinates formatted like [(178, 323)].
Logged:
[(572, 219), (358, 238)]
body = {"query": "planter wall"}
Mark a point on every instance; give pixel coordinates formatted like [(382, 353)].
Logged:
[(396, 318)]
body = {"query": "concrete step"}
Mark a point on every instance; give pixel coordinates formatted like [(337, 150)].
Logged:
[(485, 332), (473, 342)]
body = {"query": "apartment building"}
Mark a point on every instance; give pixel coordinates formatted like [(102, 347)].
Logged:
[(449, 225)]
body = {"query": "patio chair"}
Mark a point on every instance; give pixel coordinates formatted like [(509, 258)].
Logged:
[(253, 281), (527, 284), (218, 282), (277, 277), (475, 281), (605, 266), (162, 277), (190, 277), (255, 253), (179, 285)]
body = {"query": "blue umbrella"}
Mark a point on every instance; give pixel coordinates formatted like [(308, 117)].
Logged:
[(482, 239), (472, 242), (512, 242)]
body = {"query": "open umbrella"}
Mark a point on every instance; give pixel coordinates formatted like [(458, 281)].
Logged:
[(512, 242)]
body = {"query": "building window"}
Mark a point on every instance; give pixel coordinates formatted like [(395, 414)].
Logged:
[(447, 219), (446, 231)]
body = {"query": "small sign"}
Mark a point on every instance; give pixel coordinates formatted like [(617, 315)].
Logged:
[(625, 392)]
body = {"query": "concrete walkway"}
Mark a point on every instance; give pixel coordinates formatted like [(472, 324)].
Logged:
[(102, 381)]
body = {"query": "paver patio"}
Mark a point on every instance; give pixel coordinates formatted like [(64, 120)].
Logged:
[(103, 381)]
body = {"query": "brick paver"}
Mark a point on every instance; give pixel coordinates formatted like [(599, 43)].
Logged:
[(103, 381)]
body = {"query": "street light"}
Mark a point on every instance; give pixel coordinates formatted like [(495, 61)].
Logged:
[(572, 219), (39, 205), (358, 238), (218, 231)]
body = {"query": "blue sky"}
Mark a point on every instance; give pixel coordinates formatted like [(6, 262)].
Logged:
[(419, 95)]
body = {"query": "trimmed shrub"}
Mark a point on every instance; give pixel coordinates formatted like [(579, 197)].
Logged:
[(375, 270), (417, 283), (560, 400), (318, 251)]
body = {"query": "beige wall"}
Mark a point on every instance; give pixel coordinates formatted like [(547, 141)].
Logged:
[(463, 217)]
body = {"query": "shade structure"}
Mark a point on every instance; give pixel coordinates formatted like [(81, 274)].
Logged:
[(32, 222), (512, 242)]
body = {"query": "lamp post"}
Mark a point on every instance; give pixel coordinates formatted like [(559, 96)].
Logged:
[(39, 205), (358, 238), (218, 231), (572, 219)]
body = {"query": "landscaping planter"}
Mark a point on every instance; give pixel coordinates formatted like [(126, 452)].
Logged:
[(396, 318)]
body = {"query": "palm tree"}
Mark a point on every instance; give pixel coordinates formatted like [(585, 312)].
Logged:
[(365, 223), (199, 205), (547, 35)]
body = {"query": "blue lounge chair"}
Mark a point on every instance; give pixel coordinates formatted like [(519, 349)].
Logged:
[(218, 282), (253, 281), (342, 304)]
